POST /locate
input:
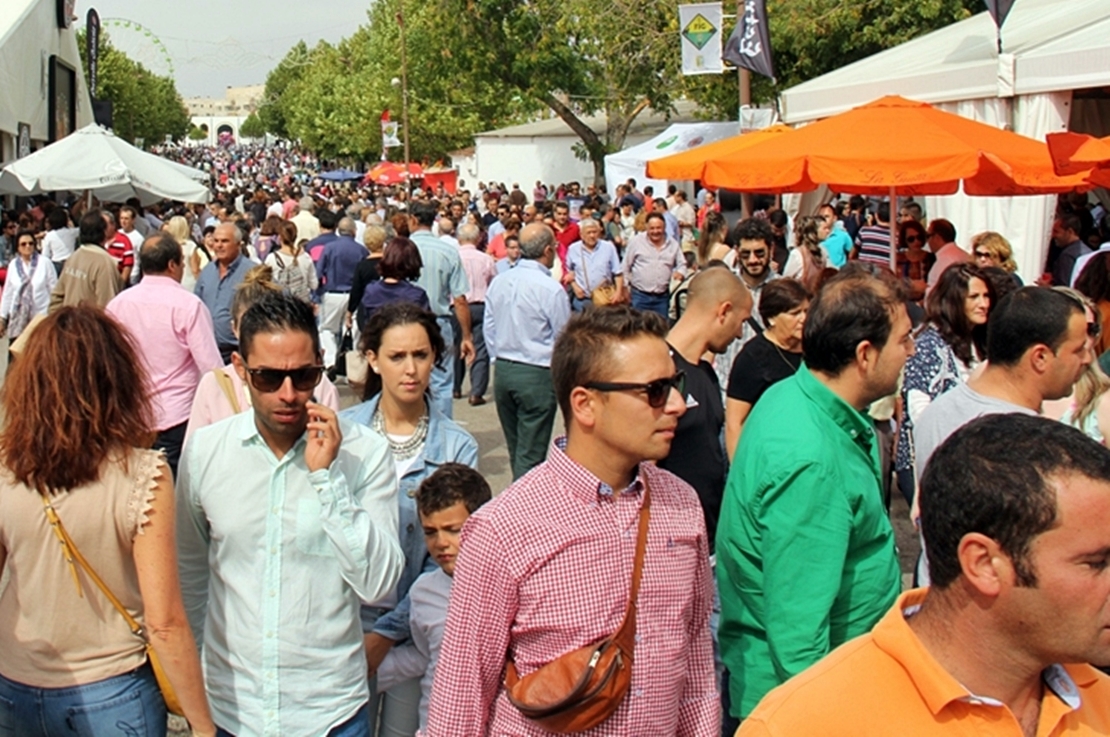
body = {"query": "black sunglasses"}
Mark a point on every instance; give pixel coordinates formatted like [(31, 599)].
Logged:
[(657, 391), (268, 380), (983, 254)]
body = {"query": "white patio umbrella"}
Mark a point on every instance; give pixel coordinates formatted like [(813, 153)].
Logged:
[(93, 159)]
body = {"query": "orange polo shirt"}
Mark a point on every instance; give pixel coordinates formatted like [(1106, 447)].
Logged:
[(886, 683)]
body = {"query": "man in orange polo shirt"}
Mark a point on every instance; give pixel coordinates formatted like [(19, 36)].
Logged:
[(1015, 510)]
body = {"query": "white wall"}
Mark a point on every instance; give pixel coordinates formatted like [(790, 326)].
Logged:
[(525, 160), (29, 35)]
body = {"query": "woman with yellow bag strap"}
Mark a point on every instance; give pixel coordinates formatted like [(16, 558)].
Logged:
[(92, 604)]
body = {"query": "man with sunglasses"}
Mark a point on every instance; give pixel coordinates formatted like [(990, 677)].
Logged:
[(573, 526), (838, 243), (287, 519), (751, 261), (805, 550)]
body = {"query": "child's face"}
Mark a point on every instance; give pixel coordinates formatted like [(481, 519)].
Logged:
[(441, 534)]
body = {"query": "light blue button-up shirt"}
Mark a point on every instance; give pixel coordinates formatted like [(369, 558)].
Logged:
[(442, 275), (525, 312), (274, 561)]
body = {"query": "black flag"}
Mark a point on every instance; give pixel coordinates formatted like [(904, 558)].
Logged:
[(749, 46), (92, 49), (999, 10)]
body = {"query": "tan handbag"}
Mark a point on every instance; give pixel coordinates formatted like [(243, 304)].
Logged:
[(581, 689), (606, 294), (73, 555)]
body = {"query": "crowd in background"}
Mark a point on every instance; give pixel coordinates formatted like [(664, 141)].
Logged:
[(741, 394)]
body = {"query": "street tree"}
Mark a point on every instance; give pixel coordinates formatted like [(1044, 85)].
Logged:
[(144, 105)]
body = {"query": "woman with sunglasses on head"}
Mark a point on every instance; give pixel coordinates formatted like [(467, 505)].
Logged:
[(992, 249), (221, 393), (75, 447), (914, 260), (768, 358), (402, 343), (950, 344), (30, 280)]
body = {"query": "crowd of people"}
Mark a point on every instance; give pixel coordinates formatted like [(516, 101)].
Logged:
[(704, 547)]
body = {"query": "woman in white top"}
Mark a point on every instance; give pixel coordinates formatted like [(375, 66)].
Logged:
[(196, 258), (31, 279), (293, 267), (808, 259)]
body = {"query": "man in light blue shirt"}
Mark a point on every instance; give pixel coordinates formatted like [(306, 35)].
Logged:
[(594, 263), (526, 309), (217, 282), (286, 519), (442, 277), (838, 244)]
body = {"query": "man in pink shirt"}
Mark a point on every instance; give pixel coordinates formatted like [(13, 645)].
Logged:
[(480, 269), (173, 332), (546, 567)]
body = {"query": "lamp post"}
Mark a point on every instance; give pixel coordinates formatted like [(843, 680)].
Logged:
[(404, 95)]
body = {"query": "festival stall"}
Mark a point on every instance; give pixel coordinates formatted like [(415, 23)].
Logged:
[(632, 162), (1050, 76)]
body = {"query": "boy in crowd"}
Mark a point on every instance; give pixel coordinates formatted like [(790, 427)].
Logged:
[(445, 500)]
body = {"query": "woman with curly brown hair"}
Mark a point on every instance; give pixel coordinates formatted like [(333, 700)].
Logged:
[(950, 344), (78, 425)]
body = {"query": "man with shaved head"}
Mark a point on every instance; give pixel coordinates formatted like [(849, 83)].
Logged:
[(717, 304)]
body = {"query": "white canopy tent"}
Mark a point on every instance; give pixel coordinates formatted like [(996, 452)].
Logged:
[(632, 161), (93, 159), (1052, 52), (30, 39)]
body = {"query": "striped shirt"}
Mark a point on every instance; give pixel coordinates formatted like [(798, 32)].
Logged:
[(874, 244), (545, 568)]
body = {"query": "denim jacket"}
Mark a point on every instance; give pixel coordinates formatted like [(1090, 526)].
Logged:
[(446, 443)]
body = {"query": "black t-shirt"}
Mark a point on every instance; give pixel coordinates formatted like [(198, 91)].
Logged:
[(365, 273), (697, 453), (759, 365)]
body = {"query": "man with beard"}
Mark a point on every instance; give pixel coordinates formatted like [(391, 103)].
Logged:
[(286, 520), (751, 260), (805, 550)]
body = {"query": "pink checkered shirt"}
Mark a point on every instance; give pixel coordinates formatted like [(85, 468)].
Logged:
[(545, 568)]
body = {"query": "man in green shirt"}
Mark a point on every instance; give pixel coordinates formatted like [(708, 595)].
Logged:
[(805, 551)]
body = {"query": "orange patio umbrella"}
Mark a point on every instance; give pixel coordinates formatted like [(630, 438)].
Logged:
[(691, 164), (389, 172), (894, 143), (894, 146), (1075, 153)]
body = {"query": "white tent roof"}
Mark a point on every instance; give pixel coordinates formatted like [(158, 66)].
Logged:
[(29, 35), (632, 162), (1049, 45)]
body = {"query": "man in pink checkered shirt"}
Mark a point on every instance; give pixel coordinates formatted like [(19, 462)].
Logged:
[(545, 568)]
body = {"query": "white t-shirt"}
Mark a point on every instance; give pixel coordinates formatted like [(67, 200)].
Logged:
[(59, 244)]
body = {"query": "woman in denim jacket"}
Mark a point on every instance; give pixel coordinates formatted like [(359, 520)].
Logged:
[(402, 343)]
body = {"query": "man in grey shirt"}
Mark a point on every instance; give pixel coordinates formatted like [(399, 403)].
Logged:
[(1038, 345)]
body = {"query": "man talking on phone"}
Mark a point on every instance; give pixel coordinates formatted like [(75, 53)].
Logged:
[(286, 519)]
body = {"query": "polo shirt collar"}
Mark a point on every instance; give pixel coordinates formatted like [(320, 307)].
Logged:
[(938, 688), (579, 481), (847, 418)]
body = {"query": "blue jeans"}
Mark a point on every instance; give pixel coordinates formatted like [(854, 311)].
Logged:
[(658, 303), (443, 375), (356, 726), (129, 705)]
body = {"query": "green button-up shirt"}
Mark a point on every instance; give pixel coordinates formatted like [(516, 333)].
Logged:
[(805, 551)]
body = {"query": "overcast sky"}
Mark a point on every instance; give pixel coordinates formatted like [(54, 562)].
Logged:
[(214, 44)]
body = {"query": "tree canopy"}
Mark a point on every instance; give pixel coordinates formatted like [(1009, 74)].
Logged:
[(144, 105), (503, 61)]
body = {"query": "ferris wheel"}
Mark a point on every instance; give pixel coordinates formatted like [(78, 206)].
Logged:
[(140, 44)]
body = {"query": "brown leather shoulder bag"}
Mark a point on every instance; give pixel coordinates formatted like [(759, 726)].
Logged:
[(581, 689)]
